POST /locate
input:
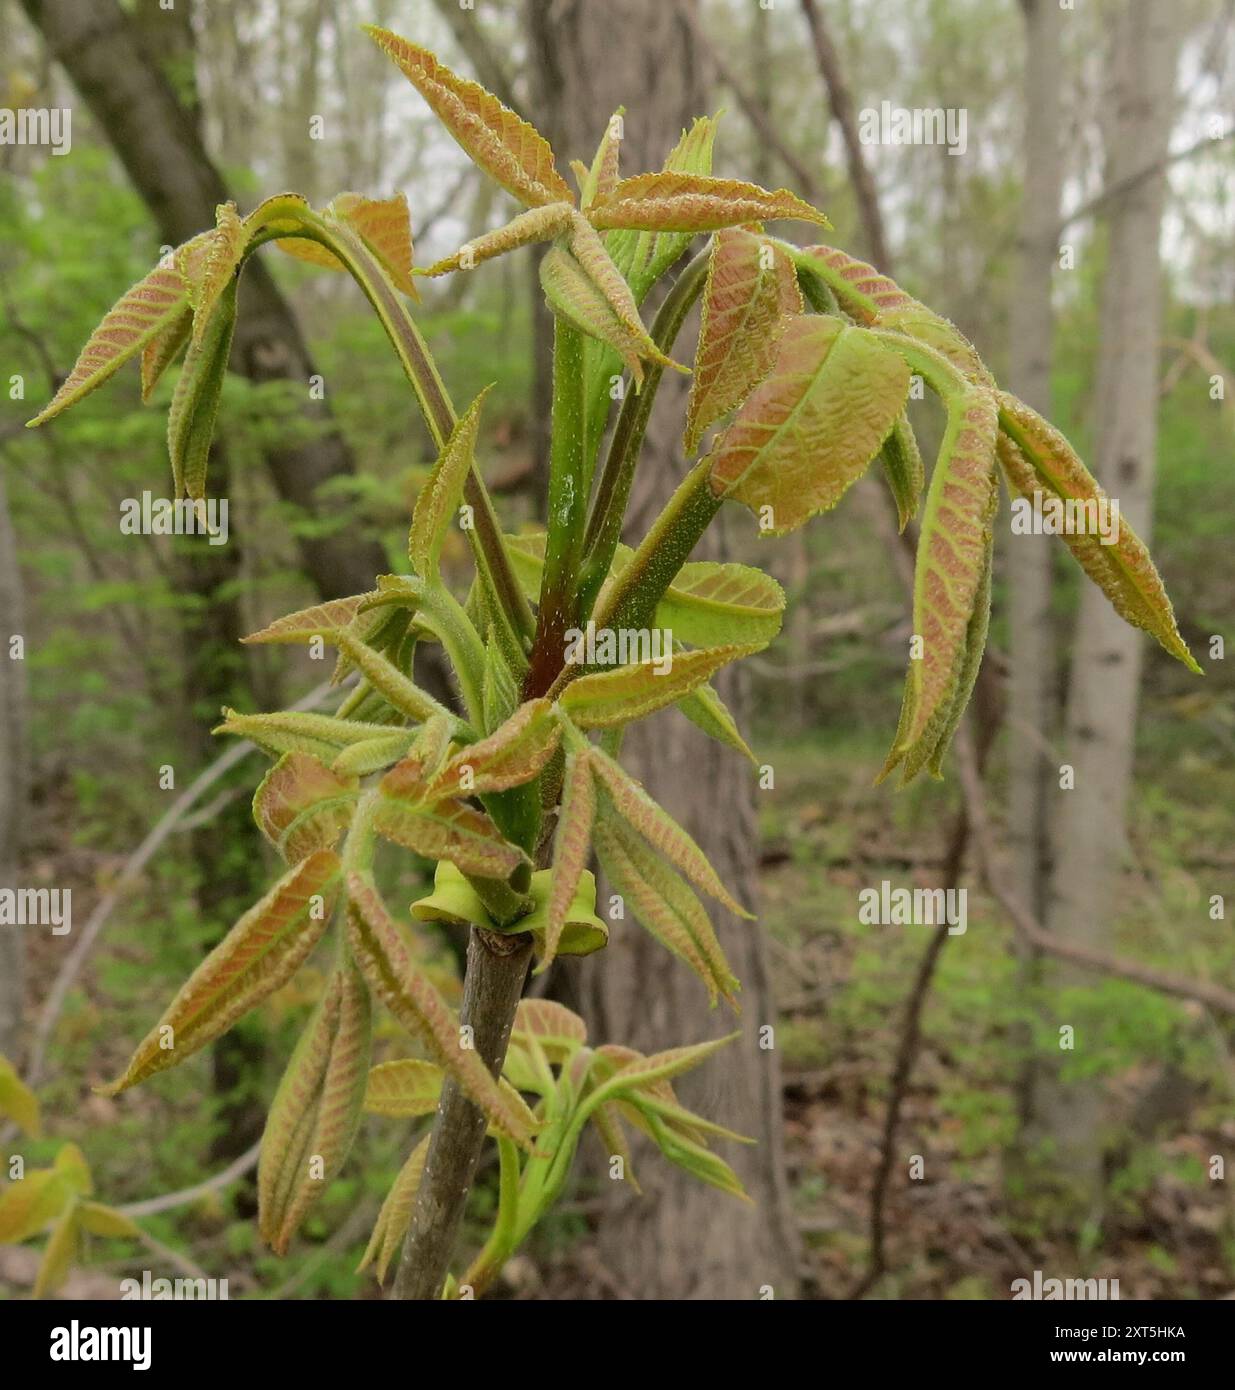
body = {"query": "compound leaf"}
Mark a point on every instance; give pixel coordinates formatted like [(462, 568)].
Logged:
[(808, 431), (301, 805), (316, 1110), (572, 845), (504, 145), (665, 906), (624, 693), (1037, 459), (396, 1213), (751, 287), (438, 500), (948, 576), (633, 804), (138, 317), (260, 954), (672, 201)]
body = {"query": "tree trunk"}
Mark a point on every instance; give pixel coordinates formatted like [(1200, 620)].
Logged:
[(227, 853), (1090, 821), (669, 1243), (157, 142), (1032, 646), (13, 778)]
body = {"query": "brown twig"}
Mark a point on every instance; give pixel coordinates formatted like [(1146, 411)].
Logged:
[(492, 985), (841, 102), (754, 110), (1181, 987)]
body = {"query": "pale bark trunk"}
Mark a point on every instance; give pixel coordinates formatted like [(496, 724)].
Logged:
[(680, 1239), (1032, 646), (1090, 822), (1029, 376)]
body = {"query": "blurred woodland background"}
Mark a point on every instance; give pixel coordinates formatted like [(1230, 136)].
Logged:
[(1084, 239)]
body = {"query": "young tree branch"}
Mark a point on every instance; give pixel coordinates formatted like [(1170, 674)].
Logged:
[(492, 986)]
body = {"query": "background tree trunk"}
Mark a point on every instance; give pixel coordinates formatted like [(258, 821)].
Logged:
[(13, 779), (1032, 648), (1090, 821), (674, 1241), (157, 141)]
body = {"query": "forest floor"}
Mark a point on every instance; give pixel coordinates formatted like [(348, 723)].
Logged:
[(1166, 1230)]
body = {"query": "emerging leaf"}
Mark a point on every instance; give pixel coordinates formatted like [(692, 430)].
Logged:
[(417, 1005), (438, 500), (574, 294), (18, 1102), (105, 1221), (809, 429), (307, 623), (409, 1088), (163, 349), (28, 1206), (539, 224), (403, 1089), (600, 180), (711, 604), (902, 465), (413, 813), (948, 579), (665, 906), (504, 145), (59, 1255), (872, 299), (139, 316), (292, 731), (680, 202), (863, 292), (659, 829), (608, 1124), (383, 224), (212, 268), (302, 806), (643, 1073), (373, 754), (259, 955), (707, 711), (513, 754), (316, 1110), (572, 845), (751, 288), (698, 1161), (605, 699), (559, 1032), (396, 1213), (499, 688), (643, 257), (72, 1166), (195, 402), (1038, 461)]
